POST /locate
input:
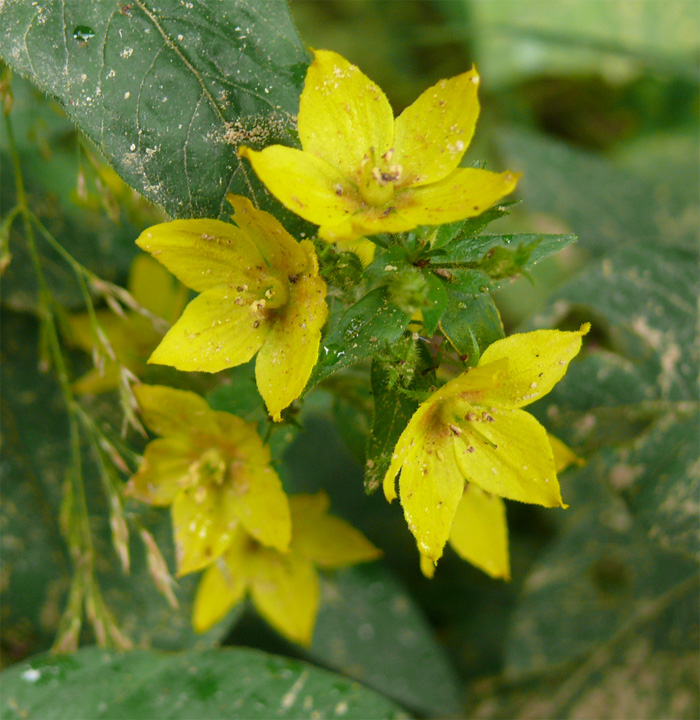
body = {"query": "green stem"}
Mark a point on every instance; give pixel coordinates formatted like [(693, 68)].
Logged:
[(82, 551)]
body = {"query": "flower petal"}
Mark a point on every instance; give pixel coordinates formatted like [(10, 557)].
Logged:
[(479, 532), (281, 252), (363, 248), (327, 541), (430, 487), (213, 333), (432, 134), (285, 590), (95, 381), (261, 504), (564, 456), (285, 361), (537, 361), (204, 254), (464, 193), (408, 445), (509, 456), (427, 566), (342, 114), (204, 519), (164, 471), (222, 586), (175, 413), (156, 289), (240, 440), (305, 184)]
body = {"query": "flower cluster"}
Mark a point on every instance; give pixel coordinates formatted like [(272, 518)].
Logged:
[(231, 515), (360, 172)]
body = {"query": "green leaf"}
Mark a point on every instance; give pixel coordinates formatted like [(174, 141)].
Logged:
[(601, 571), (167, 91), (476, 251), (604, 205), (470, 227), (576, 37), (236, 683), (647, 669), (437, 300), (471, 323), (364, 328), (369, 628), (392, 411)]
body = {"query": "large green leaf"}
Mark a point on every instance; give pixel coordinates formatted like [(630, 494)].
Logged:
[(533, 37), (599, 572), (647, 669), (369, 628), (168, 91), (237, 683)]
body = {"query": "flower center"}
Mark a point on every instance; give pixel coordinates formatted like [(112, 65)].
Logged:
[(209, 468), (276, 293), (377, 178)]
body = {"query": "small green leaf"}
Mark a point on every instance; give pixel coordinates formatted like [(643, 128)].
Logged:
[(471, 323), (436, 302), (142, 685), (392, 411), (452, 232), (364, 329), (526, 250)]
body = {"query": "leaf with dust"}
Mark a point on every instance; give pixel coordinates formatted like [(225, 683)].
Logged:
[(598, 573), (648, 669), (167, 91)]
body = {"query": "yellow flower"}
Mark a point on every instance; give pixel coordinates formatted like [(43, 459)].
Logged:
[(214, 470), (284, 587), (361, 172), (260, 293), (479, 532), (472, 429), (131, 336)]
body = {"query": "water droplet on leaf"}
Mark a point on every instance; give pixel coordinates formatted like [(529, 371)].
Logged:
[(83, 33)]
